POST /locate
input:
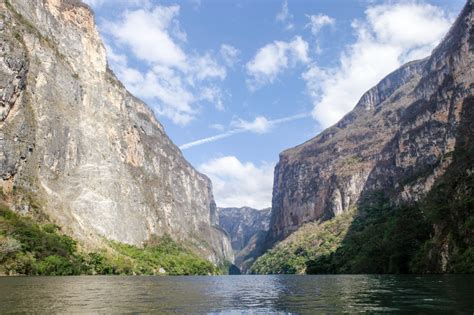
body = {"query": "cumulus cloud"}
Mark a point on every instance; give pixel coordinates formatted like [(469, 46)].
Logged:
[(139, 29), (162, 86), (273, 58), (284, 16), (206, 67), (390, 35), (175, 82), (318, 21), (259, 125), (237, 184)]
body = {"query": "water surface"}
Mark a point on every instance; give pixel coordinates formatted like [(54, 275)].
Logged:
[(237, 294)]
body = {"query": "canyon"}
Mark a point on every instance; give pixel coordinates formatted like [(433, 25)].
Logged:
[(78, 151)]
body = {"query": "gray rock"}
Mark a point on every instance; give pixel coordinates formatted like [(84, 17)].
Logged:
[(93, 156), (398, 139), (243, 223), (246, 228)]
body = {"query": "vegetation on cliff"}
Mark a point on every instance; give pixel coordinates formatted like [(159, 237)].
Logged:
[(383, 239), (403, 157), (139, 155), (163, 253), (311, 241), (29, 248), (432, 236)]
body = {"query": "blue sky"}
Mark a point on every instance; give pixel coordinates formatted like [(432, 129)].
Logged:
[(236, 82)]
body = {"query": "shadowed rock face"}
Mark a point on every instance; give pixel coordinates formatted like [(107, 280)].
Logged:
[(73, 137), (247, 228), (243, 223), (397, 139)]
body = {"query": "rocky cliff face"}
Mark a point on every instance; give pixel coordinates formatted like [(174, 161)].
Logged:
[(398, 139), (247, 228), (92, 156), (243, 223)]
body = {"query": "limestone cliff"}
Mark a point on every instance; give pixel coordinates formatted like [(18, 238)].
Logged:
[(93, 156), (247, 228), (398, 139), (242, 223)]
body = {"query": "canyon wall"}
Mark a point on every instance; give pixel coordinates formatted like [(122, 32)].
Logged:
[(247, 228), (398, 139), (92, 156)]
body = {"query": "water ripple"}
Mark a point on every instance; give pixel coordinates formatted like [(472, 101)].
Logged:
[(286, 294)]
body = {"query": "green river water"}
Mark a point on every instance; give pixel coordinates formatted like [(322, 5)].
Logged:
[(283, 294)]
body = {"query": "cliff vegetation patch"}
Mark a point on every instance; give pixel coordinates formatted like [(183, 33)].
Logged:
[(30, 248)]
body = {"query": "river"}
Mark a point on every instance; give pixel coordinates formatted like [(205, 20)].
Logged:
[(283, 294)]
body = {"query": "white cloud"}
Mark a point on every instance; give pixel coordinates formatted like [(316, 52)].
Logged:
[(389, 36), (213, 95), (259, 125), (127, 3), (230, 54), (175, 82), (160, 83), (318, 21), (284, 16), (237, 184), (205, 67), (273, 58), (142, 30), (416, 28)]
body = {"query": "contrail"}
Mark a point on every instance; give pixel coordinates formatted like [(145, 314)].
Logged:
[(232, 132), (211, 139)]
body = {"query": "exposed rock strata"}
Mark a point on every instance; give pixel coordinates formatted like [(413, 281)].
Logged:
[(243, 223), (74, 138), (398, 139), (247, 228)]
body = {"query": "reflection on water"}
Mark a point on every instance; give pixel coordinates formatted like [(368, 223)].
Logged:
[(236, 294)]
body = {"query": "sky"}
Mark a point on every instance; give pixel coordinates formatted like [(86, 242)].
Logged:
[(235, 82)]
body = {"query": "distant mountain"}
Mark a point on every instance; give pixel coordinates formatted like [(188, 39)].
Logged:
[(247, 229), (397, 148)]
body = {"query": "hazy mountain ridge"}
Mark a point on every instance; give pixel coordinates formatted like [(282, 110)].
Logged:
[(247, 228)]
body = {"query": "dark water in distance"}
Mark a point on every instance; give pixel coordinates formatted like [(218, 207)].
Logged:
[(239, 294)]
